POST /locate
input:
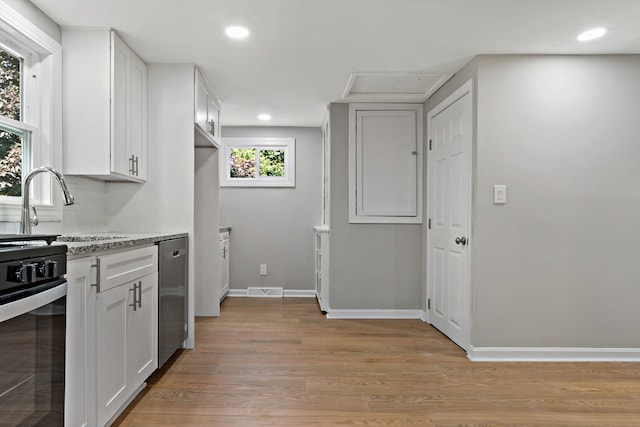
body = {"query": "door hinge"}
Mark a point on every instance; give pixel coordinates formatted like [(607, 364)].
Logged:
[(428, 303), (429, 223), (429, 145)]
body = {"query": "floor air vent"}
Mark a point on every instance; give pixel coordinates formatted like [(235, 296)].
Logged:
[(265, 292)]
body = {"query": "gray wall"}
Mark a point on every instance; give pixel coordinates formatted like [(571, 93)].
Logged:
[(274, 226), (373, 266), (557, 266)]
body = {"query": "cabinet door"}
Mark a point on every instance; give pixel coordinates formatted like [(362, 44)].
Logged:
[(128, 111), (137, 144), (80, 368), (120, 127), (201, 102), (142, 332), (213, 118), (224, 264), (385, 163), (112, 391), (207, 111)]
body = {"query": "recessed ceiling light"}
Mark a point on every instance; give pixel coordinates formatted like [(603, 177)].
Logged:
[(592, 34), (237, 32), (264, 117)]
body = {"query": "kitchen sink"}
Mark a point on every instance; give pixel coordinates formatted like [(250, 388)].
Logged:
[(89, 237)]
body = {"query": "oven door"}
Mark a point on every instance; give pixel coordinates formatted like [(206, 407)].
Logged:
[(32, 337)]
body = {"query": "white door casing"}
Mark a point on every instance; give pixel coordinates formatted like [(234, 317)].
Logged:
[(449, 206)]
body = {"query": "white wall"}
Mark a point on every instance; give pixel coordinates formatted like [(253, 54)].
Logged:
[(208, 269), (37, 17), (274, 226)]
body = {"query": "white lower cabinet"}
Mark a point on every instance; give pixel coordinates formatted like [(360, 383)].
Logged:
[(127, 346), (80, 402), (223, 245), (142, 332), (119, 349), (322, 266)]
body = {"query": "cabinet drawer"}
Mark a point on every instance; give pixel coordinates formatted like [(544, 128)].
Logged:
[(116, 269)]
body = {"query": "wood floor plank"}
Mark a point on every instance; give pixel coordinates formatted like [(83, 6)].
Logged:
[(280, 362)]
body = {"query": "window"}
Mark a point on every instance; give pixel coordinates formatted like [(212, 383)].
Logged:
[(14, 137), (257, 162), (30, 114)]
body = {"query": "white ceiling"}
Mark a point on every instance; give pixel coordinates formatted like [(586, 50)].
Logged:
[(301, 53)]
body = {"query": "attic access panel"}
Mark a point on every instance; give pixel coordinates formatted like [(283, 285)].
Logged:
[(393, 87)]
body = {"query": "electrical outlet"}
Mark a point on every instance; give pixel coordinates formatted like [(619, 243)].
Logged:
[(263, 269)]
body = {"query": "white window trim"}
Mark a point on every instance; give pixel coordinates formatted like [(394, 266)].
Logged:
[(286, 144), (42, 111)]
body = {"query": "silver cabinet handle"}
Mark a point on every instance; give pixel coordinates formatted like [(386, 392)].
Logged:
[(133, 165), (94, 282), (139, 294), (135, 303)]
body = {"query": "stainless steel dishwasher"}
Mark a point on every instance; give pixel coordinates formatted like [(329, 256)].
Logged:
[(173, 276)]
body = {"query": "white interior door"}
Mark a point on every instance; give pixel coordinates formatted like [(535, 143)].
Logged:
[(450, 130)]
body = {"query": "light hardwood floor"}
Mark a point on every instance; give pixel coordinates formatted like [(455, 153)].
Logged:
[(280, 362)]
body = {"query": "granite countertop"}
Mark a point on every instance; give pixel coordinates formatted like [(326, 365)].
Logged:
[(88, 244), (224, 228)]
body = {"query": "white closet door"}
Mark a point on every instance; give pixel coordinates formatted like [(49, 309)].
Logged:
[(385, 163), (449, 213)]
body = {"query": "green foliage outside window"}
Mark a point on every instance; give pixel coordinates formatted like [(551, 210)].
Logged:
[(243, 163), (10, 142), (271, 162)]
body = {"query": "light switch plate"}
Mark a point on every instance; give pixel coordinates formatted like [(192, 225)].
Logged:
[(499, 194)]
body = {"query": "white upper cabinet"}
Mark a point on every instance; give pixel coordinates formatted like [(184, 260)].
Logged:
[(385, 163), (104, 106), (207, 111)]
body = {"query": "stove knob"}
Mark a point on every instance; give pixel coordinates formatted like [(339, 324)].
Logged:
[(48, 269), (25, 273)]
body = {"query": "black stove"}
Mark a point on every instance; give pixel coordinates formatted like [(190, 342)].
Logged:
[(28, 238), (33, 304), (29, 260)]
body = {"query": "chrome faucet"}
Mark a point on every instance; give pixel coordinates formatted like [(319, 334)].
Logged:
[(25, 223)]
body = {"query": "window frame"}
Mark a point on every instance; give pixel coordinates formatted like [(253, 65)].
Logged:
[(41, 111), (288, 145)]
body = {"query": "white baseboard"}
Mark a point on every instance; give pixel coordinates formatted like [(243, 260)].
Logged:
[(287, 293), (552, 354), (299, 293), (237, 293), (374, 314)]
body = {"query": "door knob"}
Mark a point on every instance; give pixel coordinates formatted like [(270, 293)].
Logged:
[(461, 241)]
